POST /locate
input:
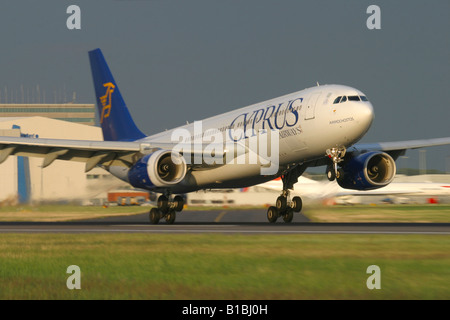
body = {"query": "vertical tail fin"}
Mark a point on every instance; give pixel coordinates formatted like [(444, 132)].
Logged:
[(115, 118)]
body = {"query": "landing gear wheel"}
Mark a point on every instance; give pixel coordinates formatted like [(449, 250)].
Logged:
[(331, 174), (170, 216), (297, 204), (163, 203), (281, 203), (288, 215), (339, 173), (154, 215), (284, 206), (272, 214), (336, 155), (179, 203)]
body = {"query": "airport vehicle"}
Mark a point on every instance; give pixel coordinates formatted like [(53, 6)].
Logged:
[(281, 137)]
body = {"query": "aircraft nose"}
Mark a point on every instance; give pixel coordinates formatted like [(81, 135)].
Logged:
[(366, 114)]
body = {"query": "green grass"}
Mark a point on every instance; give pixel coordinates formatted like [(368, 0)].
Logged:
[(149, 266)]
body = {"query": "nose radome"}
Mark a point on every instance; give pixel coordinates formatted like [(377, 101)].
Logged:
[(369, 112), (366, 115)]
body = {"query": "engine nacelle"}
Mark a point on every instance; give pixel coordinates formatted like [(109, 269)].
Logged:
[(159, 169), (368, 171)]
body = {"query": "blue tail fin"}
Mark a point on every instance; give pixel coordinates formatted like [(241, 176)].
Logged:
[(115, 119)]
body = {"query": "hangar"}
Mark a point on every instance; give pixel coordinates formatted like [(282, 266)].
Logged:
[(23, 179)]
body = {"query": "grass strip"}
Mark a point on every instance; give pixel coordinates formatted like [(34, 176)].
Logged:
[(149, 266)]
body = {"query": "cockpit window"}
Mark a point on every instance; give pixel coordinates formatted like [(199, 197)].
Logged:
[(341, 99), (353, 98)]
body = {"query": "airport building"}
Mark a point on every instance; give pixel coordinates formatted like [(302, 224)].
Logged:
[(76, 113), (23, 179)]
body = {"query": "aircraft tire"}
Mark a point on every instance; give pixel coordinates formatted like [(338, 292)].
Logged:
[(163, 203), (289, 215), (331, 175), (154, 215), (281, 203), (297, 204), (272, 214), (179, 203), (339, 174), (170, 216)]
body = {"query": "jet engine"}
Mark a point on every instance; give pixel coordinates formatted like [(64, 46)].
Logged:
[(367, 171), (158, 169)]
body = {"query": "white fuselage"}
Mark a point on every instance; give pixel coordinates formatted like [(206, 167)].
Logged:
[(307, 123)]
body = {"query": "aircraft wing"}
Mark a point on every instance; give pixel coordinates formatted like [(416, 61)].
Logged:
[(119, 153), (398, 148), (394, 149), (90, 152)]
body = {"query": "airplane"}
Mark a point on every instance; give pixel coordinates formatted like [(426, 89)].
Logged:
[(325, 190), (281, 137)]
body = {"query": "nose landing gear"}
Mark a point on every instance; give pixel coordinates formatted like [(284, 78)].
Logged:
[(336, 155)]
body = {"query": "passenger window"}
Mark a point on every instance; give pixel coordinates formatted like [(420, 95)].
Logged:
[(353, 98), (344, 98), (337, 99)]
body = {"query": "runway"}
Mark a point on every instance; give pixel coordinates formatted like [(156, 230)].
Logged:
[(222, 222)]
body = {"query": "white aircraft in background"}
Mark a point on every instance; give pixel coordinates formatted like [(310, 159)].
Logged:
[(317, 126), (324, 190)]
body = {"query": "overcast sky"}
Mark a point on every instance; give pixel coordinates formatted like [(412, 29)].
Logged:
[(187, 60)]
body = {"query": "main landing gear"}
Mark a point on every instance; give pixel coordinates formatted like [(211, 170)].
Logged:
[(285, 206), (166, 209)]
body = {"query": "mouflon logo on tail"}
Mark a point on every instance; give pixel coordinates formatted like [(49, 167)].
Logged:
[(106, 100)]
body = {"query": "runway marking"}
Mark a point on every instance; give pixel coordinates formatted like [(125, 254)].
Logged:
[(220, 216)]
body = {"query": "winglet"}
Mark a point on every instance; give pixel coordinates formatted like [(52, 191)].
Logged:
[(115, 119)]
